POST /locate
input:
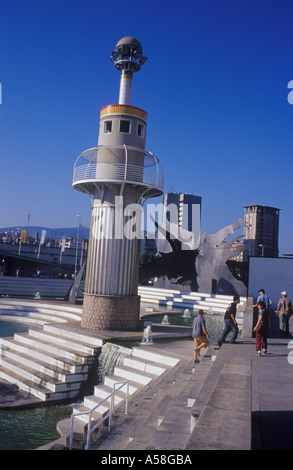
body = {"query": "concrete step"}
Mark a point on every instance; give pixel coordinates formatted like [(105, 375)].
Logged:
[(22, 303), (143, 365), (181, 299), (101, 397), (64, 341), (93, 401), (49, 312), (34, 389), (37, 315), (48, 347), (31, 286), (111, 380), (57, 360), (103, 391), (154, 356), (37, 377), (132, 374), (89, 339), (81, 413), (60, 374)]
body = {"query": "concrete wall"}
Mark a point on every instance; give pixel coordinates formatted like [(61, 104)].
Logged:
[(272, 274)]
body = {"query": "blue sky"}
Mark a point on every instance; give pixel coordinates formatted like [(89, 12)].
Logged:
[(214, 86)]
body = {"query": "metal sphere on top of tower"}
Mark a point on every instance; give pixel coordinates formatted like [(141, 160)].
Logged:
[(128, 55), (127, 58)]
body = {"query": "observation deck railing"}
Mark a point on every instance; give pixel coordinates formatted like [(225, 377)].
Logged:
[(88, 171)]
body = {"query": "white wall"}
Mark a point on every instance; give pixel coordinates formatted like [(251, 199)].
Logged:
[(272, 274)]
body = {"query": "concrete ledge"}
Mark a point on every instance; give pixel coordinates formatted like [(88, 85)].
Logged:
[(225, 421)]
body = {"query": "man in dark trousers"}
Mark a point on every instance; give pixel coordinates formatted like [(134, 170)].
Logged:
[(230, 323)]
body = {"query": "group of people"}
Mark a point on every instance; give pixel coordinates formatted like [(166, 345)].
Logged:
[(261, 329), (263, 325)]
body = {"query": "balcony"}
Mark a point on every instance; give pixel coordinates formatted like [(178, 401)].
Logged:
[(88, 174)]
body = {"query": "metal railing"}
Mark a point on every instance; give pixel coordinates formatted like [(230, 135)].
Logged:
[(109, 414), (87, 168)]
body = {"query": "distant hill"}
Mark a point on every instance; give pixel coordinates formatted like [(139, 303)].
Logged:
[(53, 233)]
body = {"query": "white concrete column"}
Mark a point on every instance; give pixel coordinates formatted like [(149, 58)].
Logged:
[(125, 87)]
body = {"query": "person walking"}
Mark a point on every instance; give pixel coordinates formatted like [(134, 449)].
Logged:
[(199, 334), (263, 297), (262, 328), (284, 312), (230, 323)]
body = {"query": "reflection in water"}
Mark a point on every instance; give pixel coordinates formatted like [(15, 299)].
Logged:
[(31, 428)]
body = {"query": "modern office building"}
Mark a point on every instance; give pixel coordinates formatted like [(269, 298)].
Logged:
[(188, 210), (262, 228)]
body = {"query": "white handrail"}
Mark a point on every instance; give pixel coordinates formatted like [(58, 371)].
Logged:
[(112, 409), (87, 169)]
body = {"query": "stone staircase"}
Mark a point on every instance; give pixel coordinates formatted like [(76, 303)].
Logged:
[(159, 417), (184, 299), (190, 407), (36, 287), (176, 299), (141, 367), (38, 312), (50, 362)]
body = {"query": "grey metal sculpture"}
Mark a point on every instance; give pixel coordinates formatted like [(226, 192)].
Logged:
[(204, 268), (213, 274)]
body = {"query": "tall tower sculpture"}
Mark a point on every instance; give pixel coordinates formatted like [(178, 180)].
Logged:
[(119, 175)]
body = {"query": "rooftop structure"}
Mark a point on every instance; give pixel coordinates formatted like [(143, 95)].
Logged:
[(262, 227)]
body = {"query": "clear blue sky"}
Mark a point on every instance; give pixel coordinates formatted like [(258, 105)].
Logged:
[(214, 86)]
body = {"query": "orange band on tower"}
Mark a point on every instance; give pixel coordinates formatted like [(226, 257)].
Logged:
[(123, 109)]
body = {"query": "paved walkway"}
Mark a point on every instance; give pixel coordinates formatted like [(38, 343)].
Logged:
[(272, 403), (243, 401), (246, 402)]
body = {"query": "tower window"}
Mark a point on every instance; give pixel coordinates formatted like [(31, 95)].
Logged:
[(124, 126), (107, 127), (140, 130)]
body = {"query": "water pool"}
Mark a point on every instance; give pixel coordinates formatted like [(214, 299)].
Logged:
[(214, 321), (31, 428), (28, 429), (8, 328)]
